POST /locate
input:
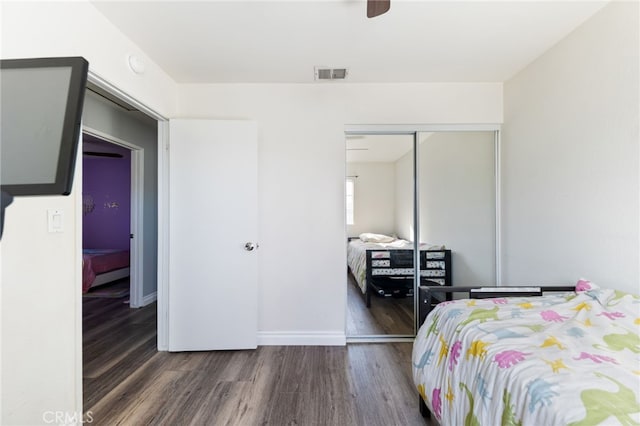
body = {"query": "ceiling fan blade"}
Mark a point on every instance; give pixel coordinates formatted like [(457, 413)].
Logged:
[(377, 7)]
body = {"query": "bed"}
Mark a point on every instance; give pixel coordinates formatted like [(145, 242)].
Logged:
[(570, 358), (101, 266), (384, 265)]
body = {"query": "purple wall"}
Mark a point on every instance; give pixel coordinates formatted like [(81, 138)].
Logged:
[(106, 197)]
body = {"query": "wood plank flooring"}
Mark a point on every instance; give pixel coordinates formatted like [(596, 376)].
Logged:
[(126, 382), (386, 315)]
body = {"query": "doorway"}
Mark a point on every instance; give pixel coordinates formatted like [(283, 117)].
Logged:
[(116, 337), (431, 200), (112, 217)]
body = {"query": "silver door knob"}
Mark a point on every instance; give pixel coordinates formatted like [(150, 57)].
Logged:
[(250, 246)]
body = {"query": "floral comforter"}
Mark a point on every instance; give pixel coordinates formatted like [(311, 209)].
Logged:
[(569, 359)]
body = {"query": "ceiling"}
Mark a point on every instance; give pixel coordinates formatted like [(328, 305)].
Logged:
[(281, 42)]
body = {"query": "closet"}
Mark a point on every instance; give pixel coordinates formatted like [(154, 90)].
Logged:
[(437, 188)]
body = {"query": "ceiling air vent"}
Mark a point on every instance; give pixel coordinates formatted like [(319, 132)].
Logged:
[(323, 73)]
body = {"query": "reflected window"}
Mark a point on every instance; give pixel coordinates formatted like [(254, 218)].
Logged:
[(349, 200)]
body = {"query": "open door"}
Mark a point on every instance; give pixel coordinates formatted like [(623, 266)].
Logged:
[(213, 235)]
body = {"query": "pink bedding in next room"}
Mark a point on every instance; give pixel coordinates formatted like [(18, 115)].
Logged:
[(99, 261)]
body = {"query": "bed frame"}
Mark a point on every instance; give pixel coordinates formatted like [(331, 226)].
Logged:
[(430, 296), (110, 276), (389, 272)]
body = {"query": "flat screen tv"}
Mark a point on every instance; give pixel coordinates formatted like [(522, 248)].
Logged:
[(40, 123)]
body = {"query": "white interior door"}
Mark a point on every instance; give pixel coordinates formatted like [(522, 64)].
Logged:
[(212, 215)]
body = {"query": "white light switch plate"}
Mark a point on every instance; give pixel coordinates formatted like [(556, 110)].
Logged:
[(55, 220)]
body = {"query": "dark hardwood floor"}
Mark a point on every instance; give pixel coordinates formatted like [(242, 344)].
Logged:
[(116, 341), (386, 315), (126, 382)]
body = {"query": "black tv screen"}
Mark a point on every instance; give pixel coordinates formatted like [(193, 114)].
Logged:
[(40, 123)]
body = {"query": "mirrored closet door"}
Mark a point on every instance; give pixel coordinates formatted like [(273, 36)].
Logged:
[(434, 188), (457, 201), (380, 224)]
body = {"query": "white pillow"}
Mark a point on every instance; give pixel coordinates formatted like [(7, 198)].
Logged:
[(368, 237)]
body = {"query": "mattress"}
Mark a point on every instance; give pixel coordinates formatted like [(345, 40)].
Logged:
[(99, 261), (568, 359)]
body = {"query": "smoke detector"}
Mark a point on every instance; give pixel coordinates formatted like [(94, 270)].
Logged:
[(325, 73)]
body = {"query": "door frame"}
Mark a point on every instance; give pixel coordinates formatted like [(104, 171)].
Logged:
[(413, 130), (136, 299), (163, 208), (163, 230)]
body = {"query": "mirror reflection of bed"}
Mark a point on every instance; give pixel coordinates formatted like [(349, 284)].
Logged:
[(374, 209), (380, 273), (456, 196), (106, 221)]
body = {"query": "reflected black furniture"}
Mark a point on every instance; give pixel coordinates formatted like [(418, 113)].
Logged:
[(391, 273)]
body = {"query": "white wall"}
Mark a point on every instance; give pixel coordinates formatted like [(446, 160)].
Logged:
[(374, 199), (102, 115), (570, 158), (301, 178), (76, 28), (40, 302), (457, 201), (40, 305)]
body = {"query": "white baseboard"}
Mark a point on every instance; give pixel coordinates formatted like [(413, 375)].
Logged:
[(149, 298), (297, 338)]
